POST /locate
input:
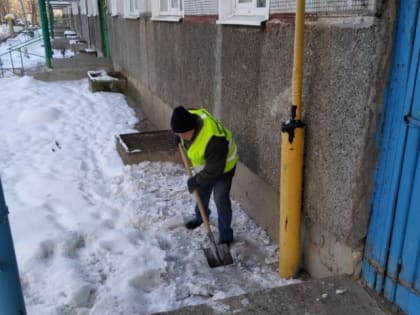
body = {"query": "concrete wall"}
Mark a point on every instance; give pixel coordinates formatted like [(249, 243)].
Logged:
[(243, 75), (88, 28)]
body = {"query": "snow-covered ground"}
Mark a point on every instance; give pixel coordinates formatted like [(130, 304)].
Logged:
[(93, 236)]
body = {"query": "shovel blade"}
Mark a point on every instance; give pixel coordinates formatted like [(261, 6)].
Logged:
[(218, 256)]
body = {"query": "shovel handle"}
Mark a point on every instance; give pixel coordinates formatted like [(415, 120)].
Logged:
[(195, 192), (184, 159)]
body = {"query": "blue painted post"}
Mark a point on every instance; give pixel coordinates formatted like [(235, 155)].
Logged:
[(11, 297)]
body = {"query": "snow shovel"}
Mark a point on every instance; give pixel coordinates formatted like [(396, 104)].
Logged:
[(216, 255)]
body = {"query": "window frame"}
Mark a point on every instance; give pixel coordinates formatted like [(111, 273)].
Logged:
[(244, 6), (171, 15), (249, 8), (92, 8), (83, 7), (113, 7), (131, 12), (75, 10), (231, 12)]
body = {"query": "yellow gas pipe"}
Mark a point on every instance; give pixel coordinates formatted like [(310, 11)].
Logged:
[(292, 147)]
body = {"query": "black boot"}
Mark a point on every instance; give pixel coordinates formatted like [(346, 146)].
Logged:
[(192, 224)]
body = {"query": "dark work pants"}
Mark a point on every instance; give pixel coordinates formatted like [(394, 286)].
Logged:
[(221, 195)]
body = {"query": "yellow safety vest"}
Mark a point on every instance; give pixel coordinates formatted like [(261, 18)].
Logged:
[(211, 127)]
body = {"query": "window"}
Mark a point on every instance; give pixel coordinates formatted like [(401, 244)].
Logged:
[(83, 7), (243, 12), (92, 8), (74, 8), (131, 8), (249, 7), (167, 10), (113, 6)]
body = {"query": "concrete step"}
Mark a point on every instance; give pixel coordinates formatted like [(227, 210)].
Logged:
[(74, 68), (339, 295)]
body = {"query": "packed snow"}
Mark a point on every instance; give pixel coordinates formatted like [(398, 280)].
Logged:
[(95, 236)]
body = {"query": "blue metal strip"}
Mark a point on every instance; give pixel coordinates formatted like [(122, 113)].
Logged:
[(417, 280), (392, 141), (390, 288), (11, 297), (405, 205), (380, 280), (405, 245), (412, 238), (411, 248), (409, 301), (369, 273)]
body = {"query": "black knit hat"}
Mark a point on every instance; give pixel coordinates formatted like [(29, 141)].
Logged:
[(182, 120)]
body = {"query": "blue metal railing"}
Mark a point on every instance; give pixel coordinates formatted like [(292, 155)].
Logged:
[(11, 297)]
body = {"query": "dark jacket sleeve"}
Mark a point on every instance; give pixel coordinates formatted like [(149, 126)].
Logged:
[(215, 155)]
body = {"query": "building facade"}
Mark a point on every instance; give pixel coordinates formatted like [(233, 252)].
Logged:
[(235, 58)]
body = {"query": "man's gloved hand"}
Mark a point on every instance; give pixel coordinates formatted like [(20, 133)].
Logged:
[(192, 184), (177, 139)]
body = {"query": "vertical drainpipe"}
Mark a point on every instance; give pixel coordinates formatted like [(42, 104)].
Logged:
[(45, 32), (292, 150), (11, 297)]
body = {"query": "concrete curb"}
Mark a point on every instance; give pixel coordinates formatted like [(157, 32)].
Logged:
[(339, 295)]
